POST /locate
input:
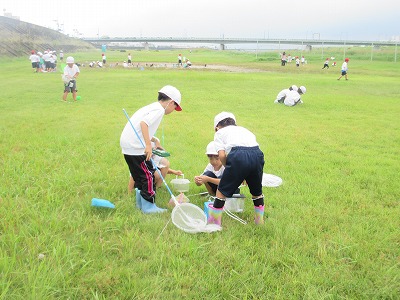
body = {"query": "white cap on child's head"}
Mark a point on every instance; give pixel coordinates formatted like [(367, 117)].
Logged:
[(174, 94), (303, 89), (222, 116), (211, 150), (70, 60), (294, 87)]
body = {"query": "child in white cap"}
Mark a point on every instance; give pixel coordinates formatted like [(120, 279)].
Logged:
[(294, 97), (71, 72), (146, 121), (213, 172), (239, 152)]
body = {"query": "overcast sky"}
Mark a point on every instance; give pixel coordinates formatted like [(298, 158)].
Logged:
[(324, 19)]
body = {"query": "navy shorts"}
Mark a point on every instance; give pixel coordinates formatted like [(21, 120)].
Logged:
[(344, 73), (243, 163)]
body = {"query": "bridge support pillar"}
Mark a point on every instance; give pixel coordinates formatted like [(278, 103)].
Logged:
[(146, 46), (222, 47), (308, 48)]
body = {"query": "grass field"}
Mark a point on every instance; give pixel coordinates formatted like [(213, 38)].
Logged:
[(331, 230)]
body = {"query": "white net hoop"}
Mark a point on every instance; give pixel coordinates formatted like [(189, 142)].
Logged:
[(192, 219), (270, 180)]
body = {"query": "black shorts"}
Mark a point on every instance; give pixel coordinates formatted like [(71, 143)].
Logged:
[(344, 73), (70, 86), (243, 163), (142, 172), (35, 65)]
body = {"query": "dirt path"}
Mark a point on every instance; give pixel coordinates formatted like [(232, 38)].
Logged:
[(222, 68)]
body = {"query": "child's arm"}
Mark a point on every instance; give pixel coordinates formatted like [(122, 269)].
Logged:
[(145, 131), (175, 172), (202, 179), (156, 141), (222, 156)]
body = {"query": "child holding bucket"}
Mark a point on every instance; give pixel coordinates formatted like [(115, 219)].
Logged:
[(145, 122), (239, 152)]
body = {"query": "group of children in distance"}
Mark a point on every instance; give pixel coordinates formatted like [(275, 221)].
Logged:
[(234, 157), (44, 62), (344, 68)]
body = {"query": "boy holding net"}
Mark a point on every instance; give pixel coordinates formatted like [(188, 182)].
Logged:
[(138, 157)]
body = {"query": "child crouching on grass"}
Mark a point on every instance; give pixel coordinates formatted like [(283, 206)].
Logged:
[(213, 172), (239, 152)]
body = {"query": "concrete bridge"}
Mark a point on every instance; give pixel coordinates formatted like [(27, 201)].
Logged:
[(224, 41)]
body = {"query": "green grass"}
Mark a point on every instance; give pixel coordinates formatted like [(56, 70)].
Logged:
[(331, 230)]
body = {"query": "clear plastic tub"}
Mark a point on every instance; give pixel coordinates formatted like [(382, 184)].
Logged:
[(235, 203)]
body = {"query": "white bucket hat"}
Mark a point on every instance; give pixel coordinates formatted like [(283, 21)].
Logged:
[(70, 60), (303, 89), (222, 116), (174, 94), (211, 150), (294, 87)]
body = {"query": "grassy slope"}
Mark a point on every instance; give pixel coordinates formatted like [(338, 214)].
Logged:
[(332, 228)]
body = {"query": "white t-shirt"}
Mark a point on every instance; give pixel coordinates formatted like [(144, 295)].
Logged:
[(282, 94), (292, 98), (217, 173), (46, 57), (152, 115), (344, 66), (70, 72), (34, 58), (231, 136)]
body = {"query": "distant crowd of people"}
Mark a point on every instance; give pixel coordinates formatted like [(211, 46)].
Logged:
[(45, 62), (287, 58)]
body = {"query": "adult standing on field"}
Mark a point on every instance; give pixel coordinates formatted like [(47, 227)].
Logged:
[(71, 72), (344, 69), (283, 59), (180, 60), (129, 59)]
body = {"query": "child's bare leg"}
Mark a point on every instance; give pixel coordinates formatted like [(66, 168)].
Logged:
[(65, 96), (131, 185), (209, 189)]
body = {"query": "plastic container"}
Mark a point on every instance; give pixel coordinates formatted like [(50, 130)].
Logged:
[(180, 184), (235, 203), (206, 207)]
